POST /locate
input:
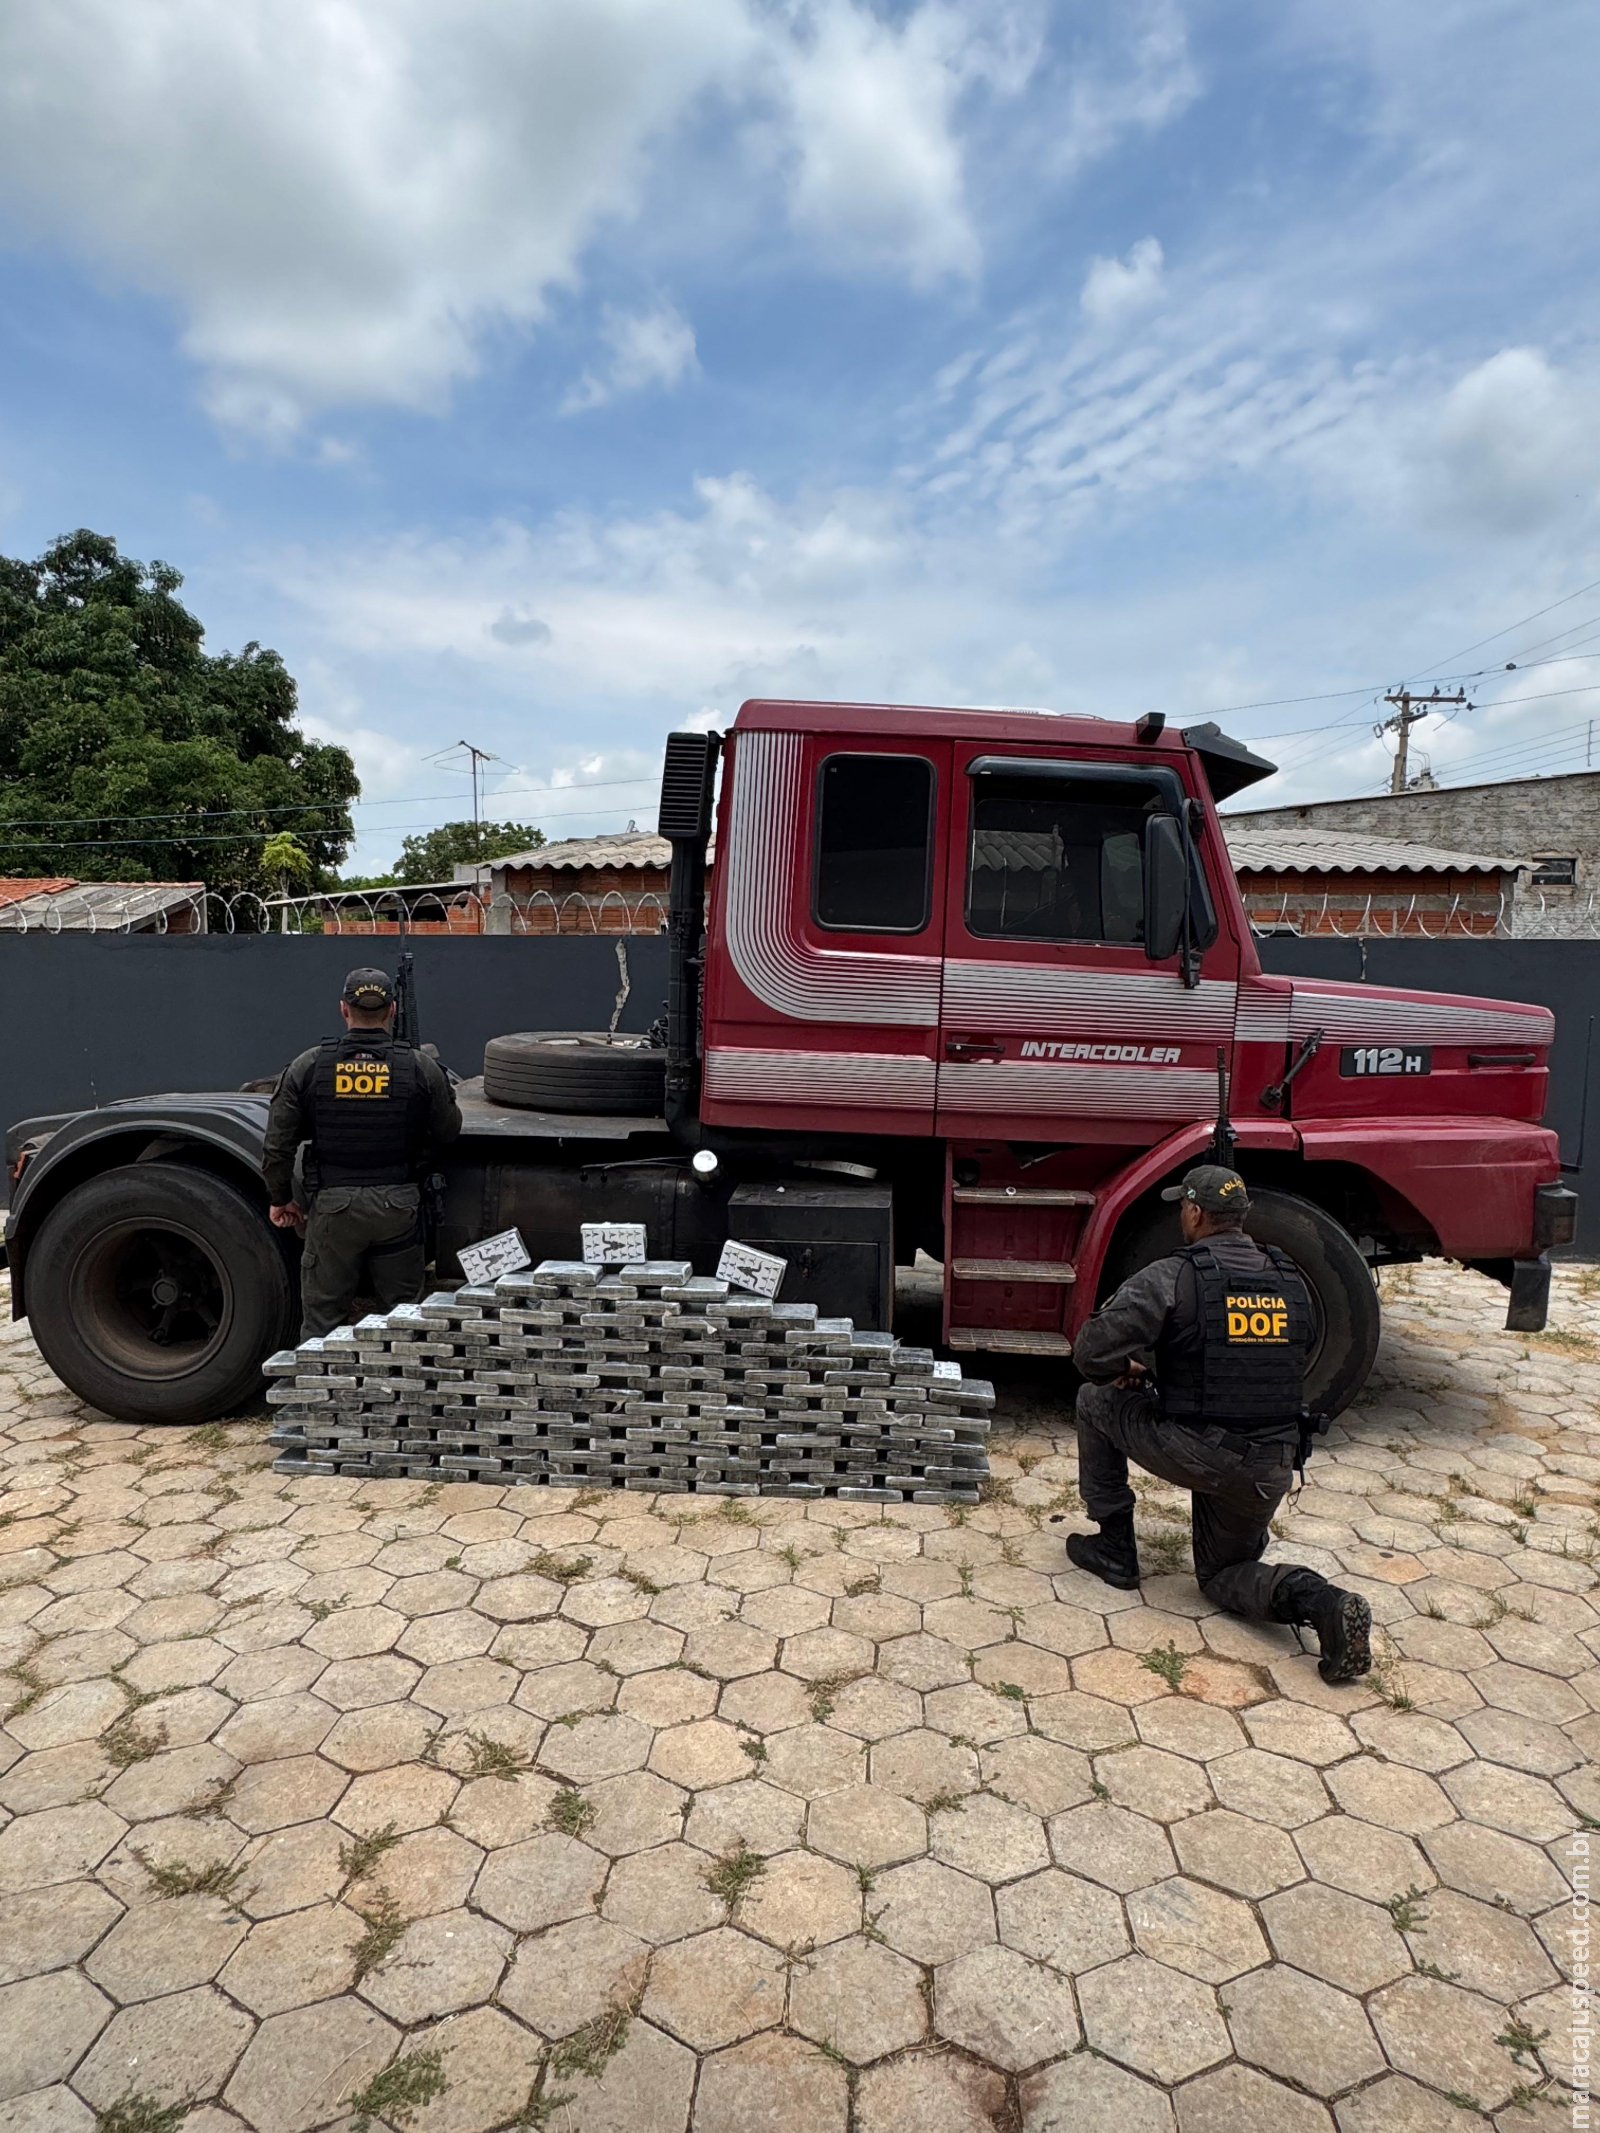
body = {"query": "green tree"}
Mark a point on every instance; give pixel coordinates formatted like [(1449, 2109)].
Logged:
[(129, 753), (435, 857)]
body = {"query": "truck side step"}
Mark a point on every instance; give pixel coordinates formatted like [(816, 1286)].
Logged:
[(1057, 1270), (1009, 1340), (1020, 1195)]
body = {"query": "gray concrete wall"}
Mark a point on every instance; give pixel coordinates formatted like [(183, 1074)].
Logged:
[(1525, 818)]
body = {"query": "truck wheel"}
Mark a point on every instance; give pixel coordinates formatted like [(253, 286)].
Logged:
[(576, 1071), (1344, 1301), (156, 1292)]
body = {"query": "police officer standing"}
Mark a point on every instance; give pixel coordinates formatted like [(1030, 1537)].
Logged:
[(373, 1110), (1228, 1324)]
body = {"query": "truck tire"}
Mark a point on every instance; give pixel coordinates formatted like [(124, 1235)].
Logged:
[(576, 1071), (156, 1292), (1344, 1300)]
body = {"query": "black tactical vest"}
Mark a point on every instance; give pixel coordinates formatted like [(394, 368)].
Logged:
[(368, 1105), (1235, 1346)]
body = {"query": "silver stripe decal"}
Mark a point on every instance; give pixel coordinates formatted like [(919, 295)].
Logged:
[(880, 1080), (1074, 1002), (1375, 1020), (784, 971), (1080, 1091), (1264, 1013)]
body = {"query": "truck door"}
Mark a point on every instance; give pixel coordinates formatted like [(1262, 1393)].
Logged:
[(823, 1011), (1056, 1025), (1057, 1028)]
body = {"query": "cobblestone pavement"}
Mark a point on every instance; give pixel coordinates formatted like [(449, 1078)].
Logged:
[(631, 1815)]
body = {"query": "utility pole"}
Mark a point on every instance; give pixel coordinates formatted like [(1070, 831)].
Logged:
[(1410, 710), (475, 756)]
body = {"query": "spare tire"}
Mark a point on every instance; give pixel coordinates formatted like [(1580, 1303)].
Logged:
[(576, 1070)]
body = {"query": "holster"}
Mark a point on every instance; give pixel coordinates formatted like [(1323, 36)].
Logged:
[(1311, 1427)]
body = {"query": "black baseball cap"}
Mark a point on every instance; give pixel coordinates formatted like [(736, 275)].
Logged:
[(1213, 1188), (368, 988)]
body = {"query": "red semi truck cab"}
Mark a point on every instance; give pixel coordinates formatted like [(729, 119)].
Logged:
[(1017, 937)]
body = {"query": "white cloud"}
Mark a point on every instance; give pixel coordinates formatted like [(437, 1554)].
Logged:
[(1117, 289), (342, 198), (1517, 442), (645, 349)]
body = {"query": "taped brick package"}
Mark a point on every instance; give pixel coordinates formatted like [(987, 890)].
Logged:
[(647, 1377)]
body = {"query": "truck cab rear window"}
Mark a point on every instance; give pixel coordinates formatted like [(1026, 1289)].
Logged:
[(872, 870), (1057, 859)]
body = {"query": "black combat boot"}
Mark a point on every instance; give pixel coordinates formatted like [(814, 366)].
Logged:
[(1342, 1621), (1111, 1555)]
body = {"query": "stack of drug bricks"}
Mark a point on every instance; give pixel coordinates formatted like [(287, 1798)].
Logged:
[(645, 1378)]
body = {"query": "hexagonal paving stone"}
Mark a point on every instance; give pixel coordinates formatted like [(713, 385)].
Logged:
[(1335, 1937), (975, 1713), (1299, 1732), (921, 1764), (434, 1639), (462, 1685), (301, 2066), (277, 1726), (1525, 1743), (989, 1838), (1507, 1800), (1390, 1795), (704, 1753), (59, 1844), (644, 2088), (930, 1912), (46, 1928), (1269, 1788), (922, 1663), (1005, 2009), (272, 1795), (859, 1999), (1152, 2019), (600, 1746), (412, 1797), (777, 2083), (933, 2091), (1108, 1844), (813, 1760), (1483, 1948), (750, 1813), (438, 1966), (1239, 2099), (661, 1895), (1412, 1738), (1195, 1929), (716, 1988), (178, 2049), (801, 1901), (429, 1870), (549, 1878), (1446, 2037), (1361, 1859), (290, 1961), (1184, 1726), (166, 1947), (1396, 2105), (866, 1827), (1084, 2094), (730, 1650), (1061, 1919), (46, 2025), (1491, 1866), (1149, 1781), (375, 1738), (493, 1811), (673, 1696), (633, 1813), (573, 1973), (1306, 2031)]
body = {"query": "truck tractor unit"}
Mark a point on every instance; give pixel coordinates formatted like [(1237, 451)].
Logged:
[(972, 983)]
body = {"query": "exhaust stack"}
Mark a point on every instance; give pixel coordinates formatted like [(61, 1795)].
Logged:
[(688, 783)]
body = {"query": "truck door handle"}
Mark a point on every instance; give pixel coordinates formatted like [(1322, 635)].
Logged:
[(974, 1048)]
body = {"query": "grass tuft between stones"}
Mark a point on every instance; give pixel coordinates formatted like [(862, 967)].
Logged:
[(178, 1877), (571, 1813), (137, 2111), (734, 1873), (399, 2092), (1167, 1661)]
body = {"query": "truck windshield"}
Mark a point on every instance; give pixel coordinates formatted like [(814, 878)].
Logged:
[(1057, 859)]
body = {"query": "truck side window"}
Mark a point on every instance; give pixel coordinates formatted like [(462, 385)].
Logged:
[(872, 870), (1057, 859)]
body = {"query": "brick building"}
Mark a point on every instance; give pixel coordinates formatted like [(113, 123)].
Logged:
[(56, 903), (1314, 882), (613, 884), (1552, 823)]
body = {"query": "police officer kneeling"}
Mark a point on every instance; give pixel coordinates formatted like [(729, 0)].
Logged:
[(373, 1110), (1229, 1324)]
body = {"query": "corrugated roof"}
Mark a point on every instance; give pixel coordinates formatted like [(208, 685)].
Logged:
[(1295, 851), (68, 906), (624, 848)]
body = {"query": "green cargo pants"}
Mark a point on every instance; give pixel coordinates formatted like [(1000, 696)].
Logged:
[(360, 1240)]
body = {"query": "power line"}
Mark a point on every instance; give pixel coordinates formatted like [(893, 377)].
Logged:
[(1564, 601), (53, 844)]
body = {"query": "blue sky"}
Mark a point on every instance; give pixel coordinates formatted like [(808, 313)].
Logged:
[(549, 373)]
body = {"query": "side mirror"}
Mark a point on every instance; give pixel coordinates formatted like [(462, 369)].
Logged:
[(1166, 887)]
